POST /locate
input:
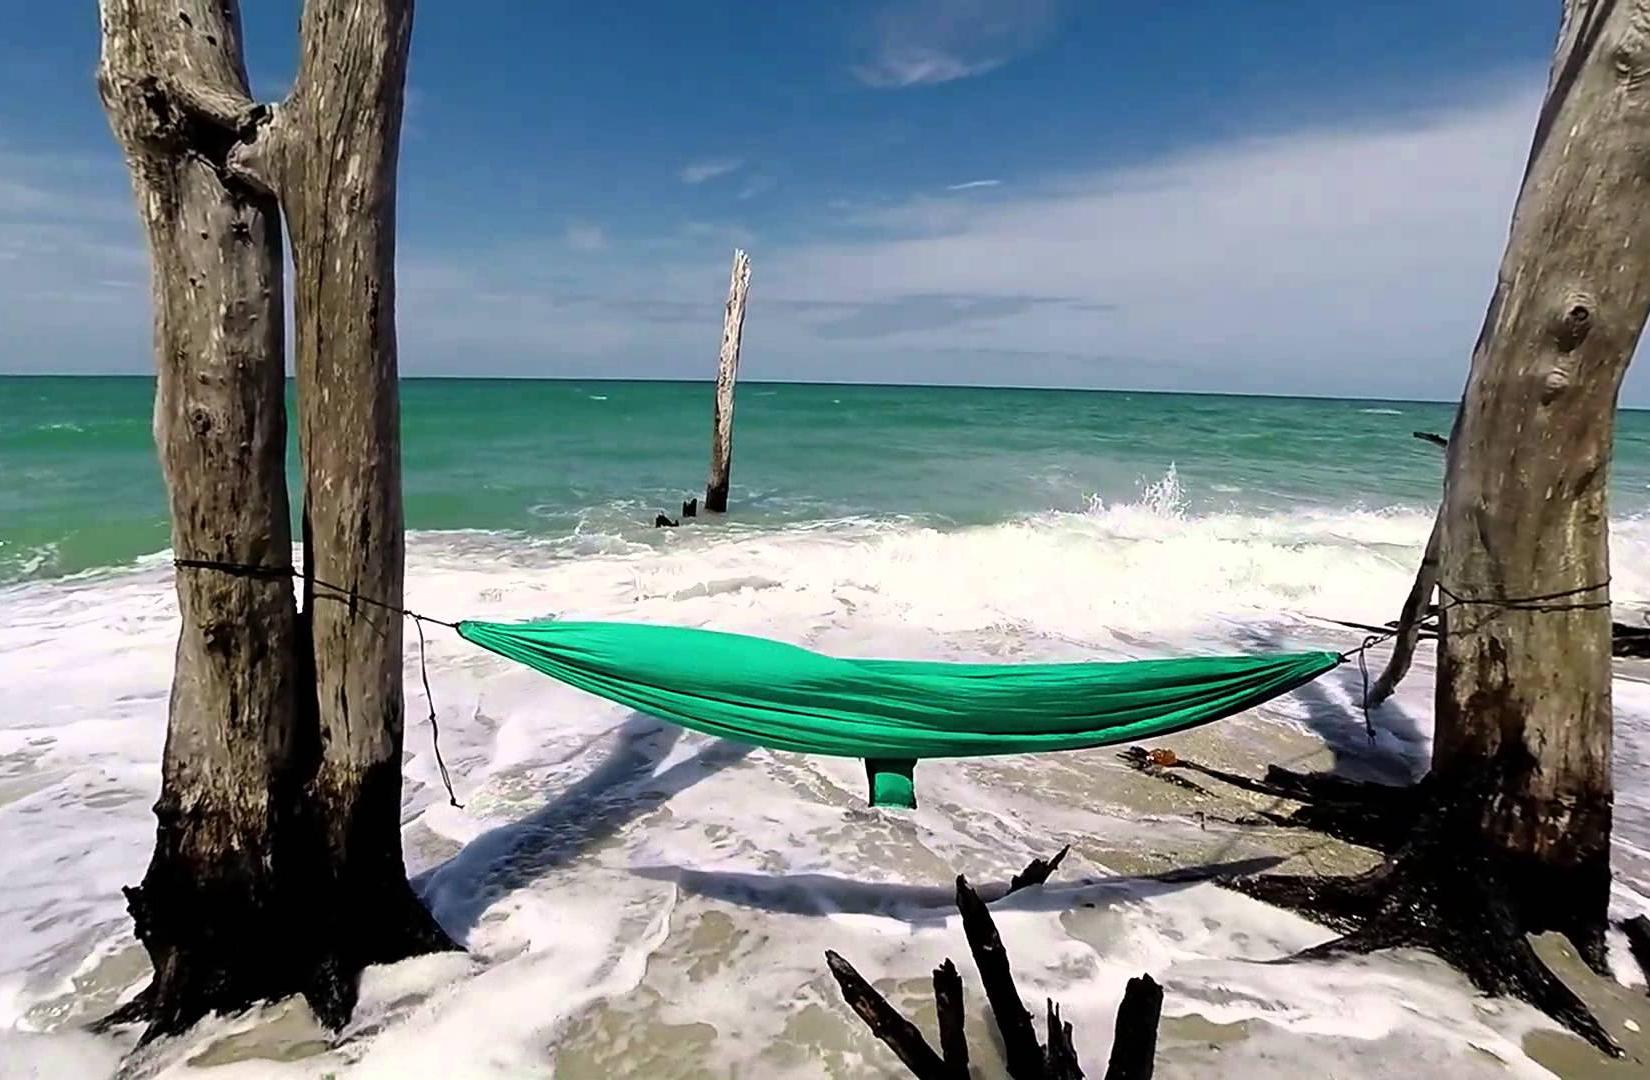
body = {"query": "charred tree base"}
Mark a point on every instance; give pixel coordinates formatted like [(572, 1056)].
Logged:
[(1439, 890), (1441, 904), (228, 934), (222, 951), (1448, 899), (385, 924)]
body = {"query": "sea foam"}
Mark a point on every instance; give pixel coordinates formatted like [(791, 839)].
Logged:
[(639, 900)]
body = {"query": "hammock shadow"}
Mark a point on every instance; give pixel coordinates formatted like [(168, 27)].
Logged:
[(921, 905), (1337, 719), (621, 789)]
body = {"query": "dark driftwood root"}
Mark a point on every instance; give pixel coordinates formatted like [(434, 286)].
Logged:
[(1037, 871), (1134, 1046), (1637, 930), (896, 1032), (1027, 1058), (1439, 897), (1020, 1045), (948, 1003), (1379, 816)]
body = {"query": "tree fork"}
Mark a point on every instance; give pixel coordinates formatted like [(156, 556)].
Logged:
[(212, 911), (277, 865)]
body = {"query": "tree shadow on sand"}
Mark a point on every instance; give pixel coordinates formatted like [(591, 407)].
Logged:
[(917, 905), (623, 788)]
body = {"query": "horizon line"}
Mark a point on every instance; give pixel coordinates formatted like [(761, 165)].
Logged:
[(1265, 395), (663, 379)]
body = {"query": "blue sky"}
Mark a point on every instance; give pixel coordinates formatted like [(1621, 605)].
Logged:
[(1284, 197)]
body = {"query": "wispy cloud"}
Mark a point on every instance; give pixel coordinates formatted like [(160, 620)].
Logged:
[(697, 172), (1272, 263), (757, 185), (72, 265), (1340, 261), (583, 236), (718, 231), (923, 42), (972, 184)]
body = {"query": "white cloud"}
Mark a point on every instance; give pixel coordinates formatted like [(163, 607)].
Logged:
[(923, 42), (583, 236), (972, 184), (1319, 261), (698, 172)]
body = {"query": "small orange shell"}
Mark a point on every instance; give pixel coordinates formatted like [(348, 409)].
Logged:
[(1161, 757)]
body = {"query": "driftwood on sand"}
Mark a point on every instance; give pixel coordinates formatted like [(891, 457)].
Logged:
[(1026, 1058)]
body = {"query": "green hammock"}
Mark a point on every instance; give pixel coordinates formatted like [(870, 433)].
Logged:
[(889, 712)]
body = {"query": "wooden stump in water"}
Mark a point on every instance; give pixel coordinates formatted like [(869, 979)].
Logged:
[(721, 441)]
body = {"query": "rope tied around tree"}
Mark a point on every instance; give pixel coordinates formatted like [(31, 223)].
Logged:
[(1565, 600), (1541, 603), (276, 573)]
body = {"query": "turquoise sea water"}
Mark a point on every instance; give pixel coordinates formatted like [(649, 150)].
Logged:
[(605, 867), (577, 462)]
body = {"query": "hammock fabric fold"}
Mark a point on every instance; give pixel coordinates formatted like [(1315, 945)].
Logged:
[(889, 712)]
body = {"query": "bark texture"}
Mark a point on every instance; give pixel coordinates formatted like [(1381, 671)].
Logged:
[(1509, 835), (210, 910), (277, 865), (727, 370), (1523, 702), (331, 155)]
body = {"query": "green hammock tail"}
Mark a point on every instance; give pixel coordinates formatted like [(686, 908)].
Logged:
[(889, 712)]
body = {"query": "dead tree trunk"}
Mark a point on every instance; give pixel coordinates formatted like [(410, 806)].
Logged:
[(1522, 750), (278, 861), (1513, 831), (330, 154), (1410, 619), (727, 370), (210, 909)]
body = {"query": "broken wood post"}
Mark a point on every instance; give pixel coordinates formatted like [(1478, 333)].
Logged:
[(896, 1032), (1410, 619), (727, 369), (690, 508), (948, 1003), (1037, 871), (1020, 1046), (1637, 930), (1134, 1044)]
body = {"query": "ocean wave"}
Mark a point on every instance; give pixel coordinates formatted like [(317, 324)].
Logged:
[(565, 795), (1147, 564), (1382, 412)]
